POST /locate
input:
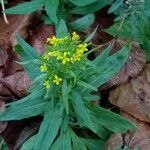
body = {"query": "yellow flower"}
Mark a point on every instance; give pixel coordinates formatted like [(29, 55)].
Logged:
[(46, 56), (65, 59), (57, 54), (75, 36), (53, 40), (46, 84), (43, 68), (82, 47), (57, 80)]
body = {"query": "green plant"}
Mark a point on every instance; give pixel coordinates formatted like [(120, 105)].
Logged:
[(80, 11), (63, 82), (132, 22)]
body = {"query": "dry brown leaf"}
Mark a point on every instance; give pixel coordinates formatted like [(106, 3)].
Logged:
[(139, 139), (39, 36), (18, 83), (18, 24), (134, 97), (114, 141), (131, 68)]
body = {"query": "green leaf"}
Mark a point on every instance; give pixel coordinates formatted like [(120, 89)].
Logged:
[(77, 144), (62, 29), (115, 6), (90, 97), (81, 111), (63, 142), (51, 7), (93, 144), (30, 51), (110, 120), (110, 67), (26, 8), (91, 8), (83, 23), (86, 85), (29, 106), (29, 144), (102, 132), (27, 53), (82, 3), (65, 95), (49, 127), (103, 56)]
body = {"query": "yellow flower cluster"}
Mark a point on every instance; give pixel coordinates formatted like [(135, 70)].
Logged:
[(57, 80), (43, 68), (61, 51), (53, 40), (46, 83), (81, 48), (66, 56), (75, 36)]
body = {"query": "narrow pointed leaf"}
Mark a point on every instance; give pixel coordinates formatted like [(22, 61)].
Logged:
[(65, 95), (49, 127), (82, 3), (61, 29), (26, 8), (81, 111), (51, 7), (29, 106), (110, 120)]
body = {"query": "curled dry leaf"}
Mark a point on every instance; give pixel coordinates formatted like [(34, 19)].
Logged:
[(139, 139), (39, 36), (131, 68), (17, 83), (134, 97), (18, 24)]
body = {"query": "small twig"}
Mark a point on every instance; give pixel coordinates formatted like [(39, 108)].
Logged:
[(4, 15)]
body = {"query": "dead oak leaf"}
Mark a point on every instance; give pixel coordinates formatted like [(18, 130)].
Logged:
[(134, 97)]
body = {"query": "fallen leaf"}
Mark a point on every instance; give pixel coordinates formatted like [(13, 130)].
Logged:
[(38, 37), (139, 139), (134, 97), (18, 83)]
